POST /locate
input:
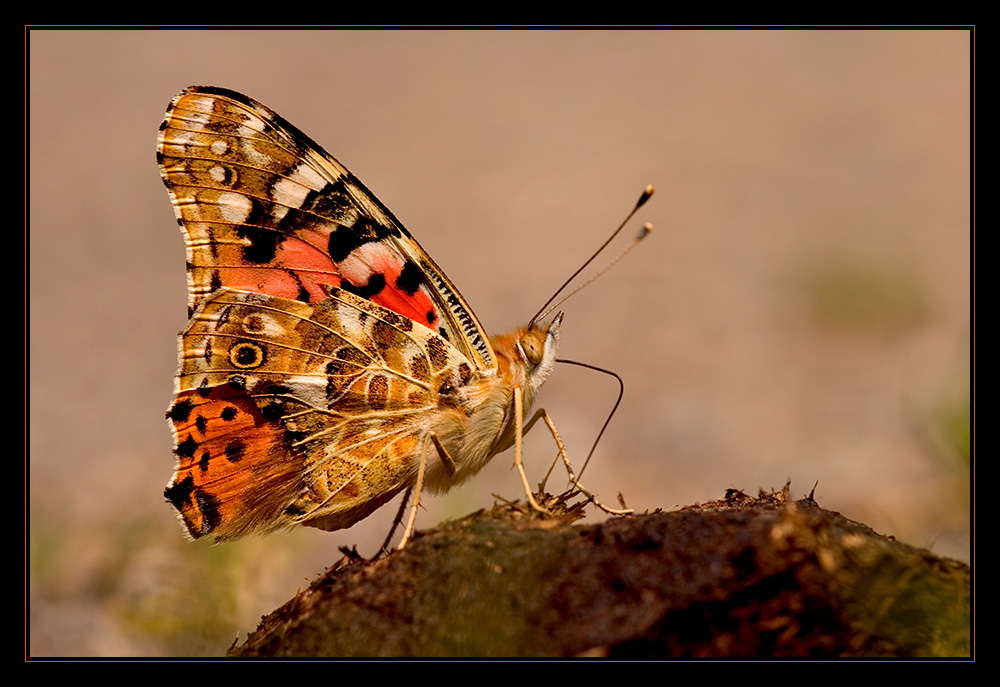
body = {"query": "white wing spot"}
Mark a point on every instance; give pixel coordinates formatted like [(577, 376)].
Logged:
[(261, 324), (176, 137), (290, 193), (234, 207), (200, 104), (252, 126), (306, 175)]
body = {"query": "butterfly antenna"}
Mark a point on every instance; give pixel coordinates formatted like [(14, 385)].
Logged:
[(646, 193), (621, 393), (646, 228)]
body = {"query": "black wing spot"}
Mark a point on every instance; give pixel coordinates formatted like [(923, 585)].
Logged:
[(374, 286), (344, 240), (410, 278), (179, 493), (235, 451), (180, 411), (186, 448), (274, 411)]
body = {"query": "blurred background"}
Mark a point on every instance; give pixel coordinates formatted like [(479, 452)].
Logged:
[(801, 311)]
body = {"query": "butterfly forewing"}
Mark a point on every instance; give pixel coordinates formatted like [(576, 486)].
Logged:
[(265, 209)]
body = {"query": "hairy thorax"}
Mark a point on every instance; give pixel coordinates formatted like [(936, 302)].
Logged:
[(482, 420)]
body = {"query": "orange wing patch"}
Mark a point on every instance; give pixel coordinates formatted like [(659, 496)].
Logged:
[(235, 471)]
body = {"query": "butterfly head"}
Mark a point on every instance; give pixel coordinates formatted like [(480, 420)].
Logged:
[(526, 356), (533, 355), (537, 347)]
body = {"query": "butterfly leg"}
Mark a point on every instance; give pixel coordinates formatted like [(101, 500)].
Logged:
[(446, 459), (384, 549), (417, 488), (449, 465), (519, 431), (541, 414)]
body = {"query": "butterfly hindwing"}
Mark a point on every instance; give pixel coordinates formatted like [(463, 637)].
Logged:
[(235, 471), (319, 411)]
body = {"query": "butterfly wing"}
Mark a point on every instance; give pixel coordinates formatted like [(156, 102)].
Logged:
[(296, 413), (266, 210)]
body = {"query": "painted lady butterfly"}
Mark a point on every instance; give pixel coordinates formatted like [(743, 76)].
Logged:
[(328, 364)]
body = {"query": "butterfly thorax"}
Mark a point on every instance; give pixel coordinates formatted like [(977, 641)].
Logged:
[(484, 423)]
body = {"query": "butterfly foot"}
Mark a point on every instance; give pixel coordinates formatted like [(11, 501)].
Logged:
[(535, 505)]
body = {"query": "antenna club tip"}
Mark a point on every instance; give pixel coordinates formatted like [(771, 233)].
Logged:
[(646, 193), (646, 228)]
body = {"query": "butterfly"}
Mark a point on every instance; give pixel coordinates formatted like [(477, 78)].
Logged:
[(328, 364)]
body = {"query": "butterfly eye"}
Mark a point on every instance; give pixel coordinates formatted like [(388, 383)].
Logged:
[(533, 347)]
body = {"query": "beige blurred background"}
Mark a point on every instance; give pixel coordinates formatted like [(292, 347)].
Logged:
[(801, 311)]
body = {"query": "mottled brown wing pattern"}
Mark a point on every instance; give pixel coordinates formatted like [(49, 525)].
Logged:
[(295, 413)]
